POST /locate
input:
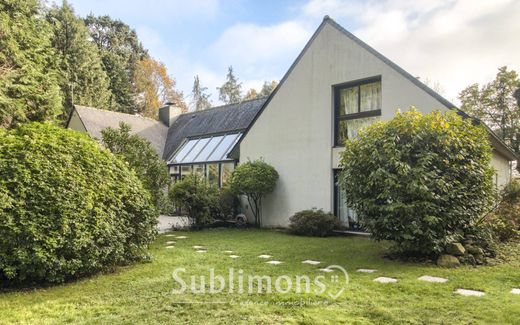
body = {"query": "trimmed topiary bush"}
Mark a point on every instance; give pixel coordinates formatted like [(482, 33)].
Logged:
[(254, 179), (68, 207), (421, 181), (312, 223)]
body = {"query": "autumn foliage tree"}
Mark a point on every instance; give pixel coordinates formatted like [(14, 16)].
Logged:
[(154, 87)]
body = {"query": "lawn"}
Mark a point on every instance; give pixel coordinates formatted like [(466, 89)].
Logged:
[(143, 293)]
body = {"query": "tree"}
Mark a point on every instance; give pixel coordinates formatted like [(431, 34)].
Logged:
[(197, 197), (69, 208), (154, 87), (254, 179), (121, 52), (268, 88), (421, 181), (82, 78), (199, 98), (29, 89), (230, 91), (251, 94), (142, 158), (496, 103)]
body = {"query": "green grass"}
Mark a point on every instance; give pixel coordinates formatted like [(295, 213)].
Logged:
[(143, 293)]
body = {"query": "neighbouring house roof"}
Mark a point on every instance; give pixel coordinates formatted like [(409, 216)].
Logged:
[(212, 121), (95, 120), (497, 143)]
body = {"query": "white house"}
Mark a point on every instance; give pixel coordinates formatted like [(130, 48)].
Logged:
[(336, 85)]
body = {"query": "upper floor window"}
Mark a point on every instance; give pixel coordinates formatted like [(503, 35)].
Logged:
[(357, 104)]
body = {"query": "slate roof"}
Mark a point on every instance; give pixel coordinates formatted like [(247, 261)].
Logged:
[(221, 119), (95, 120)]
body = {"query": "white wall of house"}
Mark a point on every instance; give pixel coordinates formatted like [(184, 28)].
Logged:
[(502, 169), (294, 133)]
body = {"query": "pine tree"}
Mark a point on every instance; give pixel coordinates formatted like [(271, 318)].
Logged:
[(121, 51), (83, 80), (199, 98), (230, 91), (29, 88)]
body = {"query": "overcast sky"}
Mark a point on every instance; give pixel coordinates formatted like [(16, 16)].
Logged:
[(450, 42)]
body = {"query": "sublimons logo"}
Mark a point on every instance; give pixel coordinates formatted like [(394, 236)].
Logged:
[(236, 281)]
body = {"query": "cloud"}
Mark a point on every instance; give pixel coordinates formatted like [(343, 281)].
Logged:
[(455, 43)]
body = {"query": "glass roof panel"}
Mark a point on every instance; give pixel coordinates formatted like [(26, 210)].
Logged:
[(208, 149), (183, 151), (190, 157), (224, 147)]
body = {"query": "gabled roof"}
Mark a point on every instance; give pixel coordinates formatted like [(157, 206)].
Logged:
[(95, 120), (497, 143), (215, 120)]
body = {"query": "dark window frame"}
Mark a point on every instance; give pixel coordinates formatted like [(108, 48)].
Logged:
[(352, 116)]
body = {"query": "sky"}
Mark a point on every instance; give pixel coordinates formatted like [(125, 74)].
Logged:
[(448, 43)]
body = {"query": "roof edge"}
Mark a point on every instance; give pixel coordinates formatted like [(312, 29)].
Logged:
[(280, 84)]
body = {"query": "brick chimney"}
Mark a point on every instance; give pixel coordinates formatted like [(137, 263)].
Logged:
[(169, 112)]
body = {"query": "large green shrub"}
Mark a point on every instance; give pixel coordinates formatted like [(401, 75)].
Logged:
[(254, 179), (197, 197), (143, 159), (68, 207), (505, 220), (312, 223), (419, 180)]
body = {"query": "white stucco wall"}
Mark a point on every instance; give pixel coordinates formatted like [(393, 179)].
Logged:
[(295, 131)]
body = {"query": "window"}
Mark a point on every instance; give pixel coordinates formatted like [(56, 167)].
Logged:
[(212, 174), (185, 170), (226, 171), (357, 104), (347, 217), (198, 170)]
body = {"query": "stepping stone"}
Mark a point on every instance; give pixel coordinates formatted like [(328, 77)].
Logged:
[(515, 291), (274, 262), (169, 235), (383, 279), (311, 262), (170, 242), (265, 256), (466, 292), (366, 270), (169, 247), (428, 278), (234, 256), (201, 251), (228, 252), (326, 270), (198, 247), (181, 237)]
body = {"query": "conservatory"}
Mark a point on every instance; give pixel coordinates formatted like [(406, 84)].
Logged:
[(206, 156)]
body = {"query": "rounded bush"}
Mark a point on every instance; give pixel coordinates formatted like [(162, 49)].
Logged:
[(68, 207), (419, 180), (312, 223)]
